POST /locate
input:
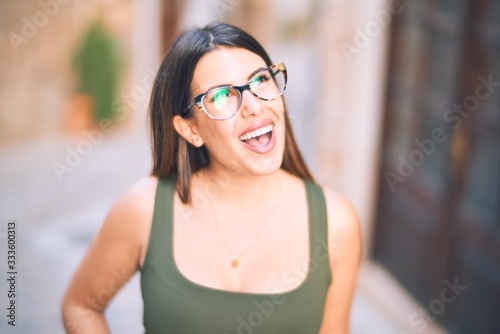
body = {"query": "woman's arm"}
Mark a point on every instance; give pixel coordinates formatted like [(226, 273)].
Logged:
[(344, 250), (111, 260)]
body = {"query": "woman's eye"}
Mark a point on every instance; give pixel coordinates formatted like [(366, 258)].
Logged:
[(222, 93), (221, 96), (259, 80)]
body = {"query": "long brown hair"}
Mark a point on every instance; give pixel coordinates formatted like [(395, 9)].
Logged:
[(173, 156)]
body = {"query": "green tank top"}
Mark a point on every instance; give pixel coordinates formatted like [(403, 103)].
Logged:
[(174, 304)]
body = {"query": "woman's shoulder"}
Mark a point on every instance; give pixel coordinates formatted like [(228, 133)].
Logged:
[(338, 205), (126, 228), (341, 212), (133, 210), (139, 196), (343, 223)]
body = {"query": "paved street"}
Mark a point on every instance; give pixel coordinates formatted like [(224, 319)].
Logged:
[(57, 220)]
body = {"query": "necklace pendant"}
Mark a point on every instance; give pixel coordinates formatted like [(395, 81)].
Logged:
[(235, 263)]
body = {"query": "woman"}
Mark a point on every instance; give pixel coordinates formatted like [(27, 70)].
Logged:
[(230, 233)]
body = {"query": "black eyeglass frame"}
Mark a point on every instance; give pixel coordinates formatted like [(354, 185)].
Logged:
[(199, 98)]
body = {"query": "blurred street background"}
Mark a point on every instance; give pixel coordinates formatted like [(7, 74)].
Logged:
[(395, 104)]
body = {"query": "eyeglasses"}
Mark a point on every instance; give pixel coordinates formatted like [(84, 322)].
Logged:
[(222, 103)]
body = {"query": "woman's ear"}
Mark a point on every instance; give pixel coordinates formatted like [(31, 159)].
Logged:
[(187, 129)]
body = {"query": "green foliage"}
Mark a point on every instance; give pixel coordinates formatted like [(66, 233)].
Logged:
[(97, 67)]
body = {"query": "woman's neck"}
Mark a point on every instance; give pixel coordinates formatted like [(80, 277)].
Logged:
[(243, 191)]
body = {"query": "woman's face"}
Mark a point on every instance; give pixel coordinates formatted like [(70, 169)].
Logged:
[(228, 142)]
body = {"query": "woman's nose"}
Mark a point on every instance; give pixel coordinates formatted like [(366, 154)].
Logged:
[(250, 104)]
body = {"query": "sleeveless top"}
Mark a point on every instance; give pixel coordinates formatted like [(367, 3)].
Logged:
[(175, 304)]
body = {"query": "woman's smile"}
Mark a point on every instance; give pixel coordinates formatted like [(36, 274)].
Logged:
[(260, 140)]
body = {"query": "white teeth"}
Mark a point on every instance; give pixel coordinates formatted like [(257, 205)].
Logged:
[(256, 133)]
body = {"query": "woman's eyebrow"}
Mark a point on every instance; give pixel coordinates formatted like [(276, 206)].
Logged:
[(217, 86), (255, 72)]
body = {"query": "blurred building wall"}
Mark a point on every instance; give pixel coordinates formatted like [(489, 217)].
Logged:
[(352, 39), (147, 56), (36, 78)]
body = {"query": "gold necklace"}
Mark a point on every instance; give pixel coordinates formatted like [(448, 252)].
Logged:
[(235, 263)]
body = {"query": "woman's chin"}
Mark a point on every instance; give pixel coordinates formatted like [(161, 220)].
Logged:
[(266, 166)]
